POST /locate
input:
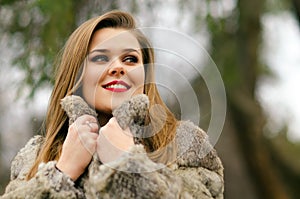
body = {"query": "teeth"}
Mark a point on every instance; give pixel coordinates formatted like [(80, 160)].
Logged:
[(119, 86)]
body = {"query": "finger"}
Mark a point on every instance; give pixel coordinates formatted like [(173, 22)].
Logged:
[(85, 133), (93, 126), (89, 141), (76, 128), (83, 128), (82, 119), (86, 137), (103, 140), (127, 132), (87, 123), (113, 122)]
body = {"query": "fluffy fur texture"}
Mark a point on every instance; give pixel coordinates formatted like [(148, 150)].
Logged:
[(131, 113), (75, 107), (197, 172)]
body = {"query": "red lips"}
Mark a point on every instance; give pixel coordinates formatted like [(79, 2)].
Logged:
[(116, 86)]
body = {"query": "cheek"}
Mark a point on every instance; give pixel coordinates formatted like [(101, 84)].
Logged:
[(90, 83), (137, 76)]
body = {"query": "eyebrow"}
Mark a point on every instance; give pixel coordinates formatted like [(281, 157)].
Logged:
[(123, 51)]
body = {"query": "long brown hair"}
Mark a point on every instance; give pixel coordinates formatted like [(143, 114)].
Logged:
[(68, 67)]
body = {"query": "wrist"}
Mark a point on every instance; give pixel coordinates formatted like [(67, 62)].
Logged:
[(73, 173)]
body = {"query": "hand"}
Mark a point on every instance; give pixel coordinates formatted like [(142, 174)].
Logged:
[(113, 141), (79, 146)]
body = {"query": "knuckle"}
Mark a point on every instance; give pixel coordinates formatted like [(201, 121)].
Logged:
[(89, 117), (113, 120), (94, 136), (94, 127), (72, 128), (105, 131)]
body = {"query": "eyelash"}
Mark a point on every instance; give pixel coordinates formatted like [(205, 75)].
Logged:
[(99, 58), (131, 58), (104, 58)]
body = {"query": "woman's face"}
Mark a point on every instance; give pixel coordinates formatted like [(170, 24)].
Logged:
[(114, 69)]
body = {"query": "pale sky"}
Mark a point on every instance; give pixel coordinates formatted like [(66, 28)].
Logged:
[(281, 96)]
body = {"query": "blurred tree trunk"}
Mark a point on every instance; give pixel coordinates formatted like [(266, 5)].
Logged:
[(296, 4), (2, 169), (2, 182), (236, 53)]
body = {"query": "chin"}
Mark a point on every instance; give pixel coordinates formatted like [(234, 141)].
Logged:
[(108, 108)]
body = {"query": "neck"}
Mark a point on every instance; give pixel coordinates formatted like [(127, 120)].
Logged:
[(103, 118)]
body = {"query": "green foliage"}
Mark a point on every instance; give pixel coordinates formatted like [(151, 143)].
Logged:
[(37, 30), (286, 158), (287, 150), (277, 6), (7, 2), (40, 28)]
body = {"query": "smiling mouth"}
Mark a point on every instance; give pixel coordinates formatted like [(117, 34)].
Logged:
[(117, 86)]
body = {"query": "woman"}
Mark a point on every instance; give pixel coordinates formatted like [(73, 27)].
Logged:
[(106, 61)]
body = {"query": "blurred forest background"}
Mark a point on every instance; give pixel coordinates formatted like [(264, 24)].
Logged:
[(260, 160)]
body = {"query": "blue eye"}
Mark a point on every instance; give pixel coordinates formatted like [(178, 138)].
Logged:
[(99, 58), (130, 59)]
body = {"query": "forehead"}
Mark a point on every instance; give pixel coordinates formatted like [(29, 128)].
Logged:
[(113, 38)]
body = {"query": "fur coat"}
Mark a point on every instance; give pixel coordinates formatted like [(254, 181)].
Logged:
[(196, 171)]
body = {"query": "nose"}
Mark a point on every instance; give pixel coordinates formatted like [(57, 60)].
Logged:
[(116, 69)]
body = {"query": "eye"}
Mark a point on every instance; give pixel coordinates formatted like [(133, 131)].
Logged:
[(130, 59), (99, 58)]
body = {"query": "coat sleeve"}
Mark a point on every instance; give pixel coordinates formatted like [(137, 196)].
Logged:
[(197, 172), (198, 164), (48, 181)]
